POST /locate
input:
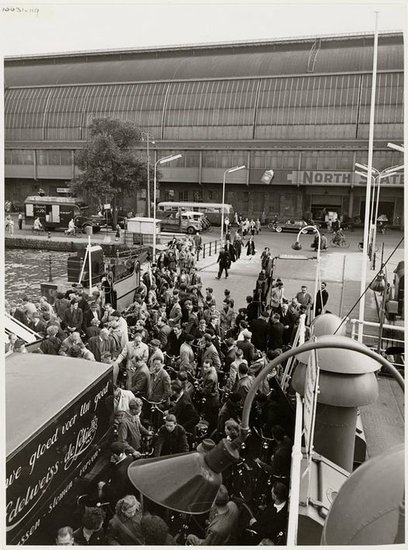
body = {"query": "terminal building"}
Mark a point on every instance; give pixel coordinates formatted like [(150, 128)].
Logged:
[(299, 107)]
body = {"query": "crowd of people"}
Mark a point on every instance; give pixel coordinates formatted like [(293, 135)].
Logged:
[(183, 364)]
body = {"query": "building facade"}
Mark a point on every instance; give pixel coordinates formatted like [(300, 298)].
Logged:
[(298, 107)]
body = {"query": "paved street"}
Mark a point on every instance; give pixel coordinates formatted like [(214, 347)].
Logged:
[(340, 268)]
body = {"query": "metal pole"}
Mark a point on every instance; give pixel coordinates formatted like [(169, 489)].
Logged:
[(223, 201), (154, 211), (375, 221), (90, 264), (367, 221), (148, 176)]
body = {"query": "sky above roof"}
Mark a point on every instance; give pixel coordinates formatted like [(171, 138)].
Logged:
[(65, 27)]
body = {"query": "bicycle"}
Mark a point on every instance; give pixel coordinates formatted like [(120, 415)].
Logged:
[(340, 243)]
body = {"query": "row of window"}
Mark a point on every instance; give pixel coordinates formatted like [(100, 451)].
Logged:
[(200, 196), (277, 160)]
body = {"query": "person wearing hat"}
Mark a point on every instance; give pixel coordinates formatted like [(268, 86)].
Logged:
[(73, 317), (209, 389), (155, 352), (211, 310), (224, 261), (182, 407), (247, 347), (187, 358), (119, 484), (222, 522)]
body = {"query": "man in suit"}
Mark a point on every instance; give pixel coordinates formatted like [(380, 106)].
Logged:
[(210, 353), (260, 330), (101, 344), (247, 347), (174, 341), (36, 324), (119, 484), (73, 317), (273, 520), (276, 330), (89, 314), (182, 407)]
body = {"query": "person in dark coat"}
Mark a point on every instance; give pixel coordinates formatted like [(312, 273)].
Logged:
[(224, 261), (182, 407), (250, 246), (238, 245), (73, 317), (276, 330), (91, 532), (273, 519), (321, 299), (247, 347), (171, 439), (119, 484), (251, 309), (260, 332)]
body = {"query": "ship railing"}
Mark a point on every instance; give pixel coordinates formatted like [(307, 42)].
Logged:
[(391, 339), (295, 476)]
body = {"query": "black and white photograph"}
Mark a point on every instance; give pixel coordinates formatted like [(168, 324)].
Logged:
[(203, 283)]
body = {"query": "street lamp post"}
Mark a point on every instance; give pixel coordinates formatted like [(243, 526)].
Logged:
[(298, 246), (149, 139), (377, 176), (229, 171), (163, 160)]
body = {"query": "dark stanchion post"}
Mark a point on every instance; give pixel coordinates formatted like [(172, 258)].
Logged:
[(204, 251), (49, 268), (210, 249)]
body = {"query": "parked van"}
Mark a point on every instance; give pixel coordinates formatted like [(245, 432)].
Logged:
[(211, 210), (56, 212), (180, 222)]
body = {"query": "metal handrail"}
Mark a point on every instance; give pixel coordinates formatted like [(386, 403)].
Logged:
[(295, 472), (208, 249), (377, 325)]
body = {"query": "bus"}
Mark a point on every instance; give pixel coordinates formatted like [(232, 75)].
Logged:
[(211, 210)]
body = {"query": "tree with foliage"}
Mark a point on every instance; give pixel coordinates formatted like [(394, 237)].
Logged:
[(110, 168)]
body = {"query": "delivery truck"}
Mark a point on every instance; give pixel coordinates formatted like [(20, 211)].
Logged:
[(58, 412)]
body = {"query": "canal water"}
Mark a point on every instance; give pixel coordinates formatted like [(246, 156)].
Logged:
[(25, 269)]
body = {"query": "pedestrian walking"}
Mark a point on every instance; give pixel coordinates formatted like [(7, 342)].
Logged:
[(224, 261), (250, 246), (20, 221), (237, 245)]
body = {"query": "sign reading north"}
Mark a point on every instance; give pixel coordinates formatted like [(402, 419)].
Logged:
[(323, 177)]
